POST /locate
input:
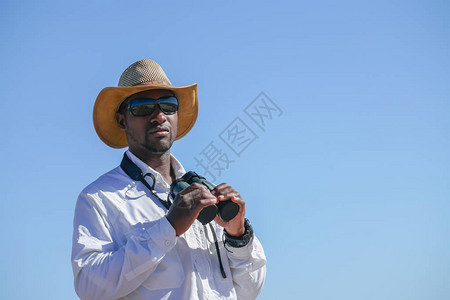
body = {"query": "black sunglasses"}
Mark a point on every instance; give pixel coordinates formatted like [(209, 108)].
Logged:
[(145, 107)]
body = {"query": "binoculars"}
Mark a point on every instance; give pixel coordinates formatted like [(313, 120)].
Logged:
[(226, 210)]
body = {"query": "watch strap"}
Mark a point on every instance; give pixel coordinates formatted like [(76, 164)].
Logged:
[(239, 242)]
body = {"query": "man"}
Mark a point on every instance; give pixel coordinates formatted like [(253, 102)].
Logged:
[(131, 239)]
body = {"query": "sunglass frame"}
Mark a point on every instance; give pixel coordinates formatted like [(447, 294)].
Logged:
[(153, 102)]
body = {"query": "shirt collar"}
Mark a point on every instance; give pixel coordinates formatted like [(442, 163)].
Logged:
[(174, 163)]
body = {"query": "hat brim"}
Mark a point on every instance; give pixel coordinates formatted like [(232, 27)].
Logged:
[(110, 98)]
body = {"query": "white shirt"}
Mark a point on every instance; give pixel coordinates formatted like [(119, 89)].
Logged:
[(125, 248)]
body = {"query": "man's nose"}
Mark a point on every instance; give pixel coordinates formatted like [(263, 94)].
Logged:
[(158, 116)]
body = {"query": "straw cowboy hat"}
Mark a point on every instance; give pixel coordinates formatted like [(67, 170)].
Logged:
[(141, 76)]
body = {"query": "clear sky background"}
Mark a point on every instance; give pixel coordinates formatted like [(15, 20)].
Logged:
[(347, 184)]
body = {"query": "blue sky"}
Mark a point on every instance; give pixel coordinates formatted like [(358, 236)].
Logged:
[(347, 185)]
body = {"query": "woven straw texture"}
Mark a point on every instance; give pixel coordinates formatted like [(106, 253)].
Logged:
[(145, 70)]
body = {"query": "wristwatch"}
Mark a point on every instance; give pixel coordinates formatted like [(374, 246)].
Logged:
[(239, 242)]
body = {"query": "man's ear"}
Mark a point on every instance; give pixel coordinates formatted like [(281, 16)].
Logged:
[(120, 118)]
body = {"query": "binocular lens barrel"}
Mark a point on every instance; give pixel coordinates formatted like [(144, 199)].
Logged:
[(227, 210), (208, 214)]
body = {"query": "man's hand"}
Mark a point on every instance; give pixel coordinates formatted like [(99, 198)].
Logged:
[(187, 205), (234, 227)]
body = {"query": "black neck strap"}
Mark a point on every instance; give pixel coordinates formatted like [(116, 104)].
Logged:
[(135, 173)]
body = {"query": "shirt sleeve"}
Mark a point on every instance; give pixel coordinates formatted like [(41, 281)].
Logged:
[(103, 269), (248, 269)]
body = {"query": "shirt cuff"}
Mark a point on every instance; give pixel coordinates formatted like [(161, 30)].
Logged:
[(241, 252)]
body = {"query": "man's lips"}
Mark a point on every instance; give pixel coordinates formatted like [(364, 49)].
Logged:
[(161, 131)]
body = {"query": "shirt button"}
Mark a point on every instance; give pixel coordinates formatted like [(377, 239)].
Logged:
[(167, 243)]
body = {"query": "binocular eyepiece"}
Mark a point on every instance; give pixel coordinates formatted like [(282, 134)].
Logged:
[(226, 210)]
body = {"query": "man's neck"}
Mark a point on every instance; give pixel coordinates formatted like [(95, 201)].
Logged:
[(160, 162)]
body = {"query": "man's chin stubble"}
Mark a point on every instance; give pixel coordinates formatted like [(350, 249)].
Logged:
[(161, 150)]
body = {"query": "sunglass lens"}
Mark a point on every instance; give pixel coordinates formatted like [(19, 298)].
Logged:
[(143, 109), (168, 105), (168, 108)]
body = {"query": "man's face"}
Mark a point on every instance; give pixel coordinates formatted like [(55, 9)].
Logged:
[(152, 134)]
